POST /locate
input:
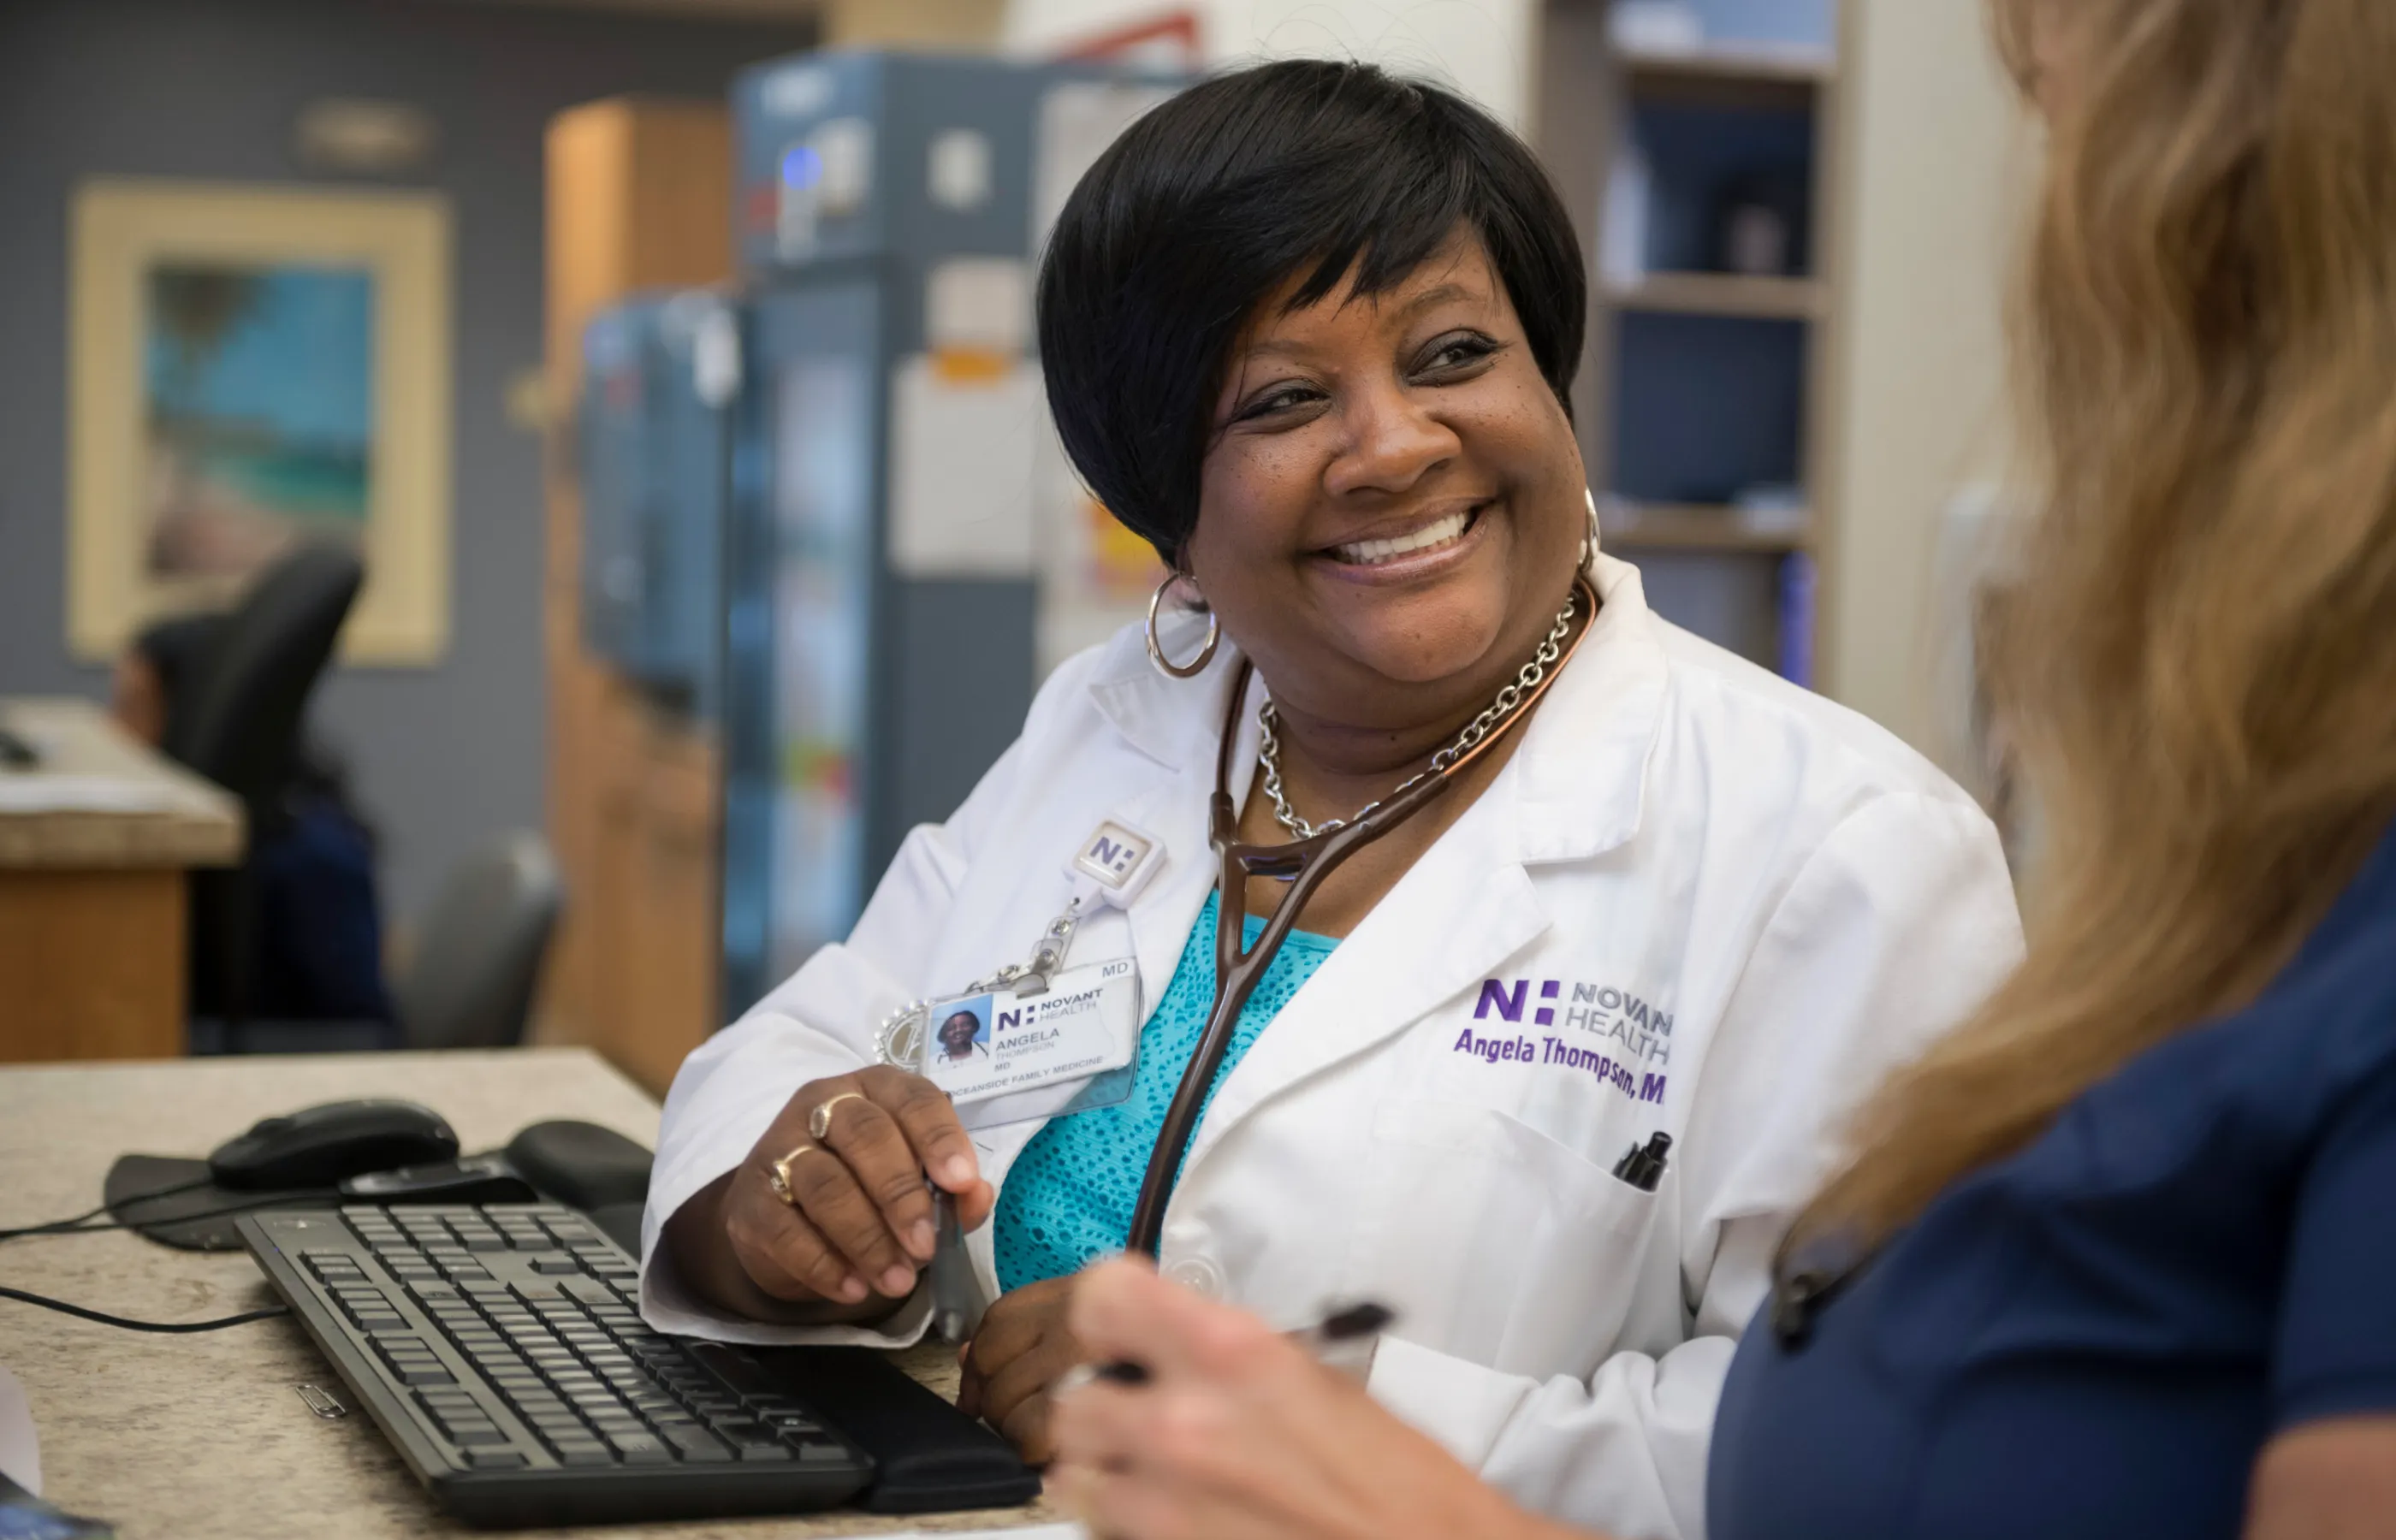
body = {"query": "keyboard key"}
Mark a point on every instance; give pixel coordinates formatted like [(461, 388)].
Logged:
[(698, 1445), (493, 1459), (423, 1373), (747, 1433), (583, 1455), (764, 1454), (821, 1450), (737, 1369), (794, 1422), (639, 1449), (471, 1437), (553, 1265)]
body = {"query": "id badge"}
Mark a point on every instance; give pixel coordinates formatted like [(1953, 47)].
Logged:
[(1003, 1057), (1037, 1039)]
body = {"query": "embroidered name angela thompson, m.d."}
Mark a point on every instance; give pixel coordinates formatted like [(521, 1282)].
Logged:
[(1643, 1032)]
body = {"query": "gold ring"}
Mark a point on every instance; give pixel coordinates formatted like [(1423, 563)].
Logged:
[(778, 1176), (819, 1121)]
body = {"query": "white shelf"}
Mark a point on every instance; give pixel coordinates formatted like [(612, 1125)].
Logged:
[(1720, 294)]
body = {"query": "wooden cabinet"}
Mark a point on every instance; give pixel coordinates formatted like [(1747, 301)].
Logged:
[(96, 842), (639, 197)]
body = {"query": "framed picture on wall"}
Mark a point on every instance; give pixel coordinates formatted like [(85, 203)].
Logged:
[(252, 368)]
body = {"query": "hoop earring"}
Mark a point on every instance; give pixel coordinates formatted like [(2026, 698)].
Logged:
[(1164, 665), (1588, 544)]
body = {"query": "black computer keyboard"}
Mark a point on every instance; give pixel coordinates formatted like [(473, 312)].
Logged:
[(500, 1350)]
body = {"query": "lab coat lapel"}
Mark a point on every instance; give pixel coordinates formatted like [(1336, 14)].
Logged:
[(1466, 907), (1162, 915)]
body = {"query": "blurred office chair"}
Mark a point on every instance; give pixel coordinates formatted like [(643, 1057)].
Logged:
[(242, 731), (479, 953)]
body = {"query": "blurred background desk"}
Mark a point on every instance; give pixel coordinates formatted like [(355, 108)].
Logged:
[(203, 1438), (95, 842)]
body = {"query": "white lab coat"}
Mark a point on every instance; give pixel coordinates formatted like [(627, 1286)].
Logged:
[(1697, 900)]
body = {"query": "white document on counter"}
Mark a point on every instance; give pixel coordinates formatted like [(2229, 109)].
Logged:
[(20, 1452), (78, 793)]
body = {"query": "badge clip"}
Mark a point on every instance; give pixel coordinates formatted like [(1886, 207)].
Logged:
[(1117, 859)]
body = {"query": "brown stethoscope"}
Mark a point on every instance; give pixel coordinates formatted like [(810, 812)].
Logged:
[(1304, 865)]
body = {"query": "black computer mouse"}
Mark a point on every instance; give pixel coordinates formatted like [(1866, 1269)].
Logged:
[(320, 1145)]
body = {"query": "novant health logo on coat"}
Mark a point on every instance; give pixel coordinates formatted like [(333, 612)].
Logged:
[(1637, 1037)]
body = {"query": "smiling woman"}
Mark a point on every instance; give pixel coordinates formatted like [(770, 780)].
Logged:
[(1307, 328)]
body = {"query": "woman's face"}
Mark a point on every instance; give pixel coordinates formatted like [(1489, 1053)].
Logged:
[(1392, 506)]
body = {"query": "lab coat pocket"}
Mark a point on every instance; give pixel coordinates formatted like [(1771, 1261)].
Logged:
[(1493, 1242)]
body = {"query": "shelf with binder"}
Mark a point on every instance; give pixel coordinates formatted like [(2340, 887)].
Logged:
[(1697, 168)]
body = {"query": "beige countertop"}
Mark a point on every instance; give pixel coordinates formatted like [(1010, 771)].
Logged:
[(100, 799), (202, 1437)]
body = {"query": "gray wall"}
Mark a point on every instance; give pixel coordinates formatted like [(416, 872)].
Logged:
[(445, 755)]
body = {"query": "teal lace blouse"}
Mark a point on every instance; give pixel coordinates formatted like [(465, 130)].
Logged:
[(1068, 1198)]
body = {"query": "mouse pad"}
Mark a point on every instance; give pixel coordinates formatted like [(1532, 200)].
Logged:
[(192, 1220)]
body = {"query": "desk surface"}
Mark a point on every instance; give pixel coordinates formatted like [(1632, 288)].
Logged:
[(203, 1438), (171, 817)]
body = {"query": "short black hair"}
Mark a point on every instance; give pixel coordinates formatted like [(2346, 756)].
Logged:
[(1215, 199)]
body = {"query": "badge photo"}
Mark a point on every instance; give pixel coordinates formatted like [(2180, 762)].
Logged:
[(964, 1032), (1002, 1056)]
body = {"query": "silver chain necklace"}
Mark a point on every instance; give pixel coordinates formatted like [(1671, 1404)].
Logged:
[(1510, 700)]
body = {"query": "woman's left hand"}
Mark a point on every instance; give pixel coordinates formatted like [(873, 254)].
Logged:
[(1021, 1351)]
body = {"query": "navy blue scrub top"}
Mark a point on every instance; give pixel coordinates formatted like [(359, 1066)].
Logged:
[(2097, 1338)]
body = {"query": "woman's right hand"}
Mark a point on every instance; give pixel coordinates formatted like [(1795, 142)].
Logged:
[(1237, 1434), (859, 1221)]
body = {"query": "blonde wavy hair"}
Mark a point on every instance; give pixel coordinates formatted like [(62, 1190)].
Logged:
[(2197, 664)]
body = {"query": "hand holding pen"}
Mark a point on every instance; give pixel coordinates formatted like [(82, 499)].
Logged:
[(1229, 1428)]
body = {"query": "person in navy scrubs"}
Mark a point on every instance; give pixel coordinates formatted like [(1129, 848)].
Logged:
[(319, 948), (2117, 1257)]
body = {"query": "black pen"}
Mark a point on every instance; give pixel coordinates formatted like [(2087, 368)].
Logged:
[(1347, 1325)]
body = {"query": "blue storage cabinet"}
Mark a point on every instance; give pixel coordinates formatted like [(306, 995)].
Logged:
[(653, 432), (868, 687)]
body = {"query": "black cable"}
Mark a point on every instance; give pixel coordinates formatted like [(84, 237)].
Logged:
[(106, 1320), (54, 1226), (282, 1200)]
